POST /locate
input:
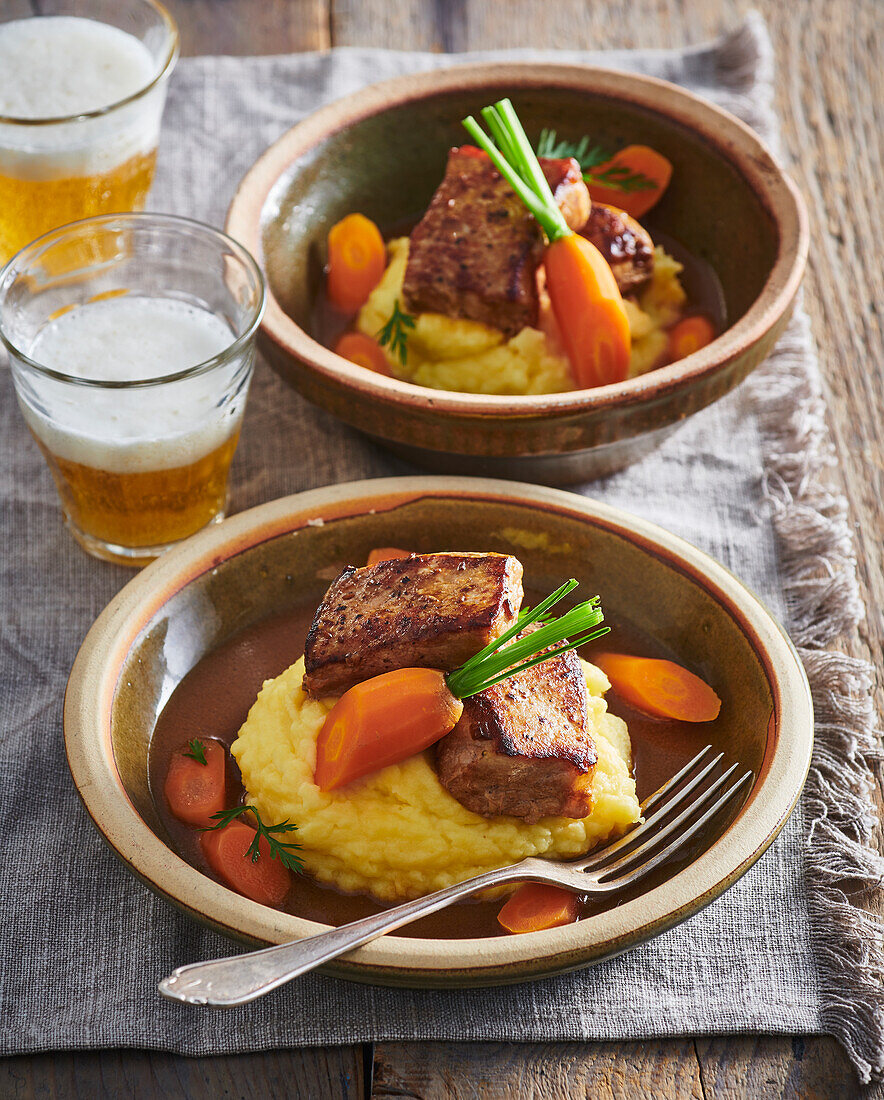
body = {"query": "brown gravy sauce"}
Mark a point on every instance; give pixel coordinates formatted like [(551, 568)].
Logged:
[(214, 698)]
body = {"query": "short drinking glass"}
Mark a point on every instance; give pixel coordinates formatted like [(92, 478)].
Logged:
[(131, 340), (82, 89)]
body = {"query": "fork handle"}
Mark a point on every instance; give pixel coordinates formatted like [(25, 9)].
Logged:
[(239, 979)]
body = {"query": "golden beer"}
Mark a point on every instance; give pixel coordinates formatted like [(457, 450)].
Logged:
[(145, 508), (30, 207)]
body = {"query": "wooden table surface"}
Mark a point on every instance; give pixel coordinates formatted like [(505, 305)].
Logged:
[(830, 96)]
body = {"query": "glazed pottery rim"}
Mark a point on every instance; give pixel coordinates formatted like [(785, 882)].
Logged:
[(733, 141), (397, 959)]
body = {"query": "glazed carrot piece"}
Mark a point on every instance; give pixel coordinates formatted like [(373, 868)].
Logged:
[(632, 160), (386, 553), (689, 335), (536, 906), (382, 721), (194, 791), (356, 261), (264, 880), (589, 310), (363, 351), (661, 688)]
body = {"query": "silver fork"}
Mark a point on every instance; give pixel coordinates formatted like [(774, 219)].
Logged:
[(238, 979)]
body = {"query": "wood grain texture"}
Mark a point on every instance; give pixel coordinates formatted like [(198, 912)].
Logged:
[(539, 1071), (830, 97), (333, 1073), (244, 27)]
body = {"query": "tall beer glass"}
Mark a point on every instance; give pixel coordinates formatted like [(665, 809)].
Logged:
[(131, 342), (82, 90)]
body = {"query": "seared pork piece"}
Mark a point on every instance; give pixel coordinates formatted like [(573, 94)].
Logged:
[(425, 611), (626, 245), (475, 253), (522, 747)]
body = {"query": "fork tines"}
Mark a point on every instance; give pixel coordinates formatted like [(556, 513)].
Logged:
[(690, 791)]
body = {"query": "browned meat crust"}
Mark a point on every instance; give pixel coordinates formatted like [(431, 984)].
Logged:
[(523, 747), (625, 244), (426, 611), (475, 252)]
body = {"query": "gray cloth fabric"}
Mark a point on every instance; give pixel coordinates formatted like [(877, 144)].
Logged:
[(83, 943)]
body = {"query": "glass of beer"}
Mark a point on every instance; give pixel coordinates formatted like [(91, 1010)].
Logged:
[(82, 90), (131, 340)]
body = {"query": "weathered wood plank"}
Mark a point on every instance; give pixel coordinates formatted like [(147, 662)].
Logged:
[(333, 1073), (789, 1069), (242, 27), (537, 1071)]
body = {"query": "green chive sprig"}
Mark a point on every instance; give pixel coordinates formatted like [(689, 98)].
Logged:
[(499, 660)]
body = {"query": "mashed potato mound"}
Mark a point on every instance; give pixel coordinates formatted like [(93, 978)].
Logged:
[(446, 353), (398, 833)]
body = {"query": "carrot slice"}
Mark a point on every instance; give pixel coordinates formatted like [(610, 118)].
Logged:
[(265, 880), (661, 688), (382, 721), (195, 791), (589, 310), (356, 261), (363, 351), (689, 335), (633, 159), (386, 553), (536, 906)]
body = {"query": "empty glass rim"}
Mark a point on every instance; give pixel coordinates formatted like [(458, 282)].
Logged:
[(32, 251), (82, 116)]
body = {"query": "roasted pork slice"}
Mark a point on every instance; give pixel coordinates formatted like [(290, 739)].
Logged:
[(522, 747), (426, 611), (475, 253), (626, 245)]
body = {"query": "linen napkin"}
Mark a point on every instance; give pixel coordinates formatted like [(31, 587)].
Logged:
[(84, 943)]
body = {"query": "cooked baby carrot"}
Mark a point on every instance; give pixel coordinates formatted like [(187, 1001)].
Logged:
[(640, 175), (363, 351), (356, 261), (386, 553), (589, 310), (536, 906), (585, 298), (689, 335), (661, 688), (264, 880), (195, 790), (382, 721)]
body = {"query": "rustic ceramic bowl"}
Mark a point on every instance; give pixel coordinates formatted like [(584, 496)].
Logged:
[(382, 152), (282, 554)]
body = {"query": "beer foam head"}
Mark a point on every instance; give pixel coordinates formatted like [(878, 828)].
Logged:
[(130, 339), (60, 66)]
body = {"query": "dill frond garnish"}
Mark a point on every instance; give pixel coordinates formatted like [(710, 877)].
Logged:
[(395, 332), (279, 849), (197, 751), (619, 177)]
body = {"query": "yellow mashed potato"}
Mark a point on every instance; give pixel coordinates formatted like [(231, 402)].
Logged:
[(398, 833), (445, 353)]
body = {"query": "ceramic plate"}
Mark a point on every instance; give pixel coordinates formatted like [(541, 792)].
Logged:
[(282, 555)]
